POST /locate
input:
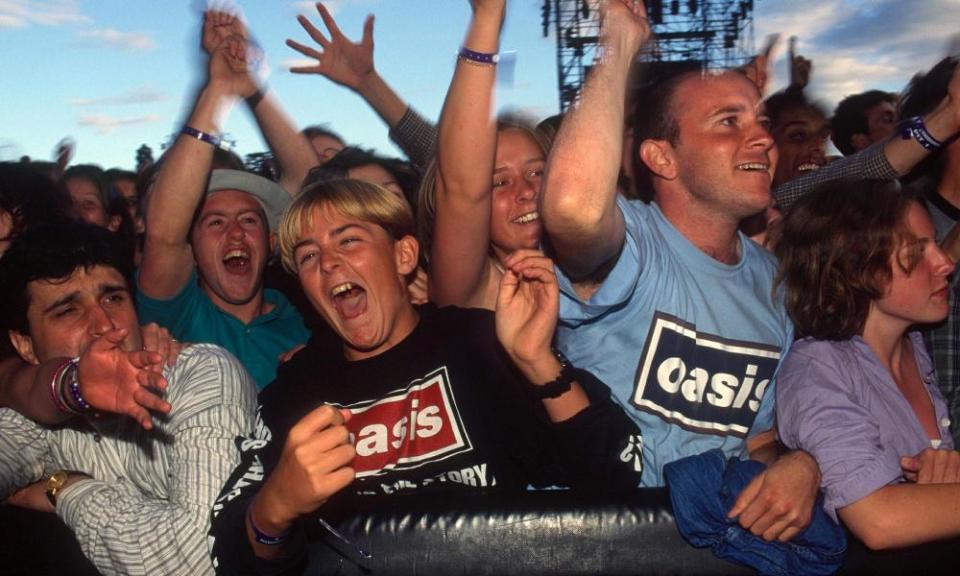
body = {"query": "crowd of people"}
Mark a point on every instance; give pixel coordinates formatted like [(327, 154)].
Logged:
[(202, 361)]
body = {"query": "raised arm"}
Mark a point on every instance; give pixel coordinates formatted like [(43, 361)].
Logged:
[(467, 142), (579, 199), (291, 148), (885, 160), (167, 258), (350, 64)]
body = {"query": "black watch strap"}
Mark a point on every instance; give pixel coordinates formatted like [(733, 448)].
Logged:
[(563, 382)]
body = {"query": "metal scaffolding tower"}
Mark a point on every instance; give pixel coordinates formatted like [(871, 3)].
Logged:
[(718, 33)]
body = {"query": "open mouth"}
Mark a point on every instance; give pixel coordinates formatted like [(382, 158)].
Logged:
[(237, 261), (349, 299), (527, 218), (754, 167)]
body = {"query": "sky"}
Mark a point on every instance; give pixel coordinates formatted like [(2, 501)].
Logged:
[(115, 74)]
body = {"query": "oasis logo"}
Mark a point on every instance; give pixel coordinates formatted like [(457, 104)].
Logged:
[(702, 381), (409, 428)]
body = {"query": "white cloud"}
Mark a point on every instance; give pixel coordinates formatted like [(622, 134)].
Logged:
[(857, 45), (113, 38), (138, 96), (23, 13), (107, 124)]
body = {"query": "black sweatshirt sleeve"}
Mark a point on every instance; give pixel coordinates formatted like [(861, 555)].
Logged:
[(230, 549), (599, 448)]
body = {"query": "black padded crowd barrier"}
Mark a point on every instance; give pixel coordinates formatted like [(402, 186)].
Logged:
[(550, 532)]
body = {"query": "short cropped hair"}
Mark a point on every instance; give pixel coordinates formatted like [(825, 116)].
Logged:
[(850, 117), (653, 117), (351, 198), (53, 252), (834, 248)]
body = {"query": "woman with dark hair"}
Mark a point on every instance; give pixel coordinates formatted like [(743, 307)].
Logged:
[(857, 391)]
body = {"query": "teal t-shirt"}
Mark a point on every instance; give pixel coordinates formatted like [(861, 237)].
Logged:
[(192, 317)]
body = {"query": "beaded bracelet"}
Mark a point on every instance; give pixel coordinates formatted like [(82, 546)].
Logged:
[(73, 383), (480, 58), (263, 537), (56, 391)]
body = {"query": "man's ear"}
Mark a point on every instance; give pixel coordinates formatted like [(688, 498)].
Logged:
[(859, 141), (657, 156), (272, 241), (24, 346), (407, 252)]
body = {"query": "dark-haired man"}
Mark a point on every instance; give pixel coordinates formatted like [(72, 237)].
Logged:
[(863, 119), (136, 494)]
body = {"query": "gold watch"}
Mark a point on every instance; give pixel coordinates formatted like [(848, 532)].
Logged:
[(54, 483)]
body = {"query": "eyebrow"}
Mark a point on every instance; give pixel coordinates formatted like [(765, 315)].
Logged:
[(104, 289), (733, 109), (333, 234)]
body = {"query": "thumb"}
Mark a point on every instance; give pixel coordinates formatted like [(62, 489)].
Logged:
[(367, 39), (910, 464)]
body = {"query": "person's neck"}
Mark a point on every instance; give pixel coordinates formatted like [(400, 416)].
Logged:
[(886, 340), (711, 232), (246, 312)]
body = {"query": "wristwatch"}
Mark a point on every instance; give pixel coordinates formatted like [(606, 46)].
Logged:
[(563, 382), (54, 483)]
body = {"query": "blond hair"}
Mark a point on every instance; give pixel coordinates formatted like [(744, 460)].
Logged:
[(350, 198)]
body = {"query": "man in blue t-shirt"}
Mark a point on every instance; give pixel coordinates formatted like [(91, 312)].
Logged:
[(667, 302)]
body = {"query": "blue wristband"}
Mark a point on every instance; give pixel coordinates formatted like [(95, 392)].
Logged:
[(263, 537), (210, 139), (483, 58), (916, 129)]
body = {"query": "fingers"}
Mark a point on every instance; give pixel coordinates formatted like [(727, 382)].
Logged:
[(910, 466), (303, 49), (286, 356), (747, 495), (312, 30), (328, 20), (315, 421)]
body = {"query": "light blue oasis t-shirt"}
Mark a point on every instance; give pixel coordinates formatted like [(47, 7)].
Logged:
[(192, 317), (688, 345)]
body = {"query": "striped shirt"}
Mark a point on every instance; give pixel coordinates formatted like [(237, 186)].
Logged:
[(146, 508)]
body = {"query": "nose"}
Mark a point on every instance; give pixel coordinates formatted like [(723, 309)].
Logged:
[(329, 261), (943, 264), (235, 230), (760, 137), (529, 188), (99, 321)]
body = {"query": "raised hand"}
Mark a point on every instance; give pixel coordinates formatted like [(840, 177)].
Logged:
[(314, 465), (527, 306), (800, 67), (230, 68), (339, 59), (117, 381), (624, 25), (758, 69), (218, 25)]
